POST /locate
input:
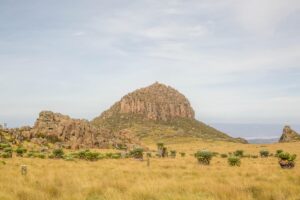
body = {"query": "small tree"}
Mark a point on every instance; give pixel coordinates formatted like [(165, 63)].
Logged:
[(182, 154), (264, 153), (204, 157), (234, 161), (286, 160)]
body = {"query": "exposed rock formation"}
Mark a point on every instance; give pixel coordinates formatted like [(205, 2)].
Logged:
[(71, 133), (157, 111), (156, 102), (289, 135)]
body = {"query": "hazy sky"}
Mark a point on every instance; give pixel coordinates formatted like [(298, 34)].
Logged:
[(236, 61)]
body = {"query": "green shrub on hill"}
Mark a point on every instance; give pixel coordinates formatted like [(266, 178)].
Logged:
[(234, 161), (204, 157)]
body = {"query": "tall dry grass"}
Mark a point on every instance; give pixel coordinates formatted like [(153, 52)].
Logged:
[(167, 179)]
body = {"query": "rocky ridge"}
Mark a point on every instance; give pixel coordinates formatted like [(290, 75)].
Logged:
[(71, 133), (289, 135)]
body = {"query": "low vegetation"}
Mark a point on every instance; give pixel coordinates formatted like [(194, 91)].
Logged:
[(107, 177), (204, 157), (234, 161)]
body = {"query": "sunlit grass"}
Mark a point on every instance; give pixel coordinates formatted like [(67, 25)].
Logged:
[(167, 178)]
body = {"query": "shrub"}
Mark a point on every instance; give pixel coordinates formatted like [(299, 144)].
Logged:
[(173, 154), (116, 156), (234, 161), (264, 153), (223, 155), (108, 155), (137, 153), (4, 145), (6, 155), (8, 150), (58, 153), (31, 154), (278, 152), (238, 153), (51, 156), (91, 156), (182, 154), (204, 157), (287, 160), (20, 151), (40, 155)]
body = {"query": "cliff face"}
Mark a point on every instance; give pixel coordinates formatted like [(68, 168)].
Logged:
[(156, 102), (289, 135)]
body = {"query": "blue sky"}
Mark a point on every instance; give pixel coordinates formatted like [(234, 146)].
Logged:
[(236, 61)]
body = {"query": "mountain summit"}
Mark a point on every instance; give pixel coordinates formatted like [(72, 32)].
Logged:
[(156, 112), (155, 102)]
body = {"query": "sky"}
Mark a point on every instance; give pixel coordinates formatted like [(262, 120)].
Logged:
[(237, 61)]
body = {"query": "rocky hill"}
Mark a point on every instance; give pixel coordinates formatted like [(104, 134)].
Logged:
[(157, 111), (71, 133), (289, 135)]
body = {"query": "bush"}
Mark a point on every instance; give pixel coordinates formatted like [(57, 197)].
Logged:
[(31, 154), (8, 150), (4, 145), (264, 153), (223, 155), (108, 155), (173, 154), (234, 161), (91, 156), (278, 152), (238, 153), (287, 160), (116, 156), (204, 157), (51, 156), (6, 155), (137, 153), (182, 154), (40, 155), (20, 151), (58, 153)]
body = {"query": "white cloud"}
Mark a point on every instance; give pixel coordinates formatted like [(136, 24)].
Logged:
[(264, 16)]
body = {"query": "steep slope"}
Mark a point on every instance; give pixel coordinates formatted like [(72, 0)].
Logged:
[(289, 135), (157, 111)]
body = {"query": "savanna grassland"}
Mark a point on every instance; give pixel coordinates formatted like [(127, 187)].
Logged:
[(180, 178)]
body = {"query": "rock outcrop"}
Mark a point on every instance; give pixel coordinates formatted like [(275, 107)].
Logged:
[(157, 111), (289, 135), (155, 102), (71, 133)]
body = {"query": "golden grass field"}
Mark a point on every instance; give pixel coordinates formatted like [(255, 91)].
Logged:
[(165, 179)]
